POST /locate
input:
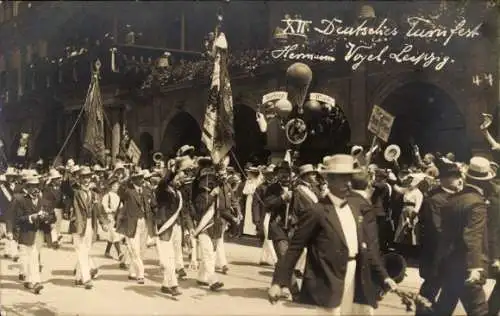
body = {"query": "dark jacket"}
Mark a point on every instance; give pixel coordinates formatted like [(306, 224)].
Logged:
[(83, 208), (277, 207), (327, 256), (463, 232), (23, 207), (135, 206), (430, 229)]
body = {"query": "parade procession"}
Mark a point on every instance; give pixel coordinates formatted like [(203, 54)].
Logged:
[(293, 179)]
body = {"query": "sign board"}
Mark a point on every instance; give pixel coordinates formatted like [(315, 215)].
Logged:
[(133, 152), (273, 96), (23, 145), (381, 123), (320, 97)]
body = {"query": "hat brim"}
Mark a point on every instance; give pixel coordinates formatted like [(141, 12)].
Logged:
[(491, 175), (346, 171), (307, 172)]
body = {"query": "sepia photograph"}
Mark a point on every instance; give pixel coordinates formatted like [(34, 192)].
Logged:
[(250, 157)]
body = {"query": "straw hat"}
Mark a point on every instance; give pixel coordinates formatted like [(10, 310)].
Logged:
[(54, 174), (338, 164), (74, 169), (11, 171), (356, 150), (98, 168), (138, 174), (185, 150), (480, 169), (85, 171), (305, 169), (32, 180), (119, 166)]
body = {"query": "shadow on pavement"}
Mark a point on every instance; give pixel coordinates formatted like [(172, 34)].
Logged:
[(244, 292), (245, 241), (113, 277), (36, 309), (151, 262), (250, 264), (62, 282), (149, 291), (266, 273), (62, 272), (11, 278), (11, 286), (110, 266)]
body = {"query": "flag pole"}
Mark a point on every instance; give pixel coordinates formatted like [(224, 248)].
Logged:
[(95, 76)]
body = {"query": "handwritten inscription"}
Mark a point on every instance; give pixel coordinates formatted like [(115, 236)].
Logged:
[(367, 43), (291, 52), (486, 78)]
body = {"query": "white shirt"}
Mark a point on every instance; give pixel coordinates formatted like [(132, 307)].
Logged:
[(414, 196), (111, 202), (348, 224)]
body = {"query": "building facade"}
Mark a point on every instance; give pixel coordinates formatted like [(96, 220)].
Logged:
[(45, 76)]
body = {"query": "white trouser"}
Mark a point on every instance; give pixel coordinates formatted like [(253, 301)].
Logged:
[(112, 236), (347, 305), (136, 246), (206, 272), (177, 244), (55, 232), (220, 251), (83, 245), (268, 254), (301, 263), (23, 261), (166, 254), (3, 230), (31, 258), (12, 248)]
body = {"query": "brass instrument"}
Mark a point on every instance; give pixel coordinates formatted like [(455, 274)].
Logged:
[(395, 265), (158, 157)]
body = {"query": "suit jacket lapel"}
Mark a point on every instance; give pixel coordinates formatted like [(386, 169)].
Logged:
[(333, 219)]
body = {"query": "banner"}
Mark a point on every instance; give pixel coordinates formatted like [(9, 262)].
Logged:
[(218, 131), (93, 139), (381, 123)]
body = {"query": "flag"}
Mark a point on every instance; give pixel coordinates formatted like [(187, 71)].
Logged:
[(93, 139), (218, 131)]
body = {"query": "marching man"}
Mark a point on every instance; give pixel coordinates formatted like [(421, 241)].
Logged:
[(339, 256), (134, 221), (170, 204), (34, 222), (85, 212)]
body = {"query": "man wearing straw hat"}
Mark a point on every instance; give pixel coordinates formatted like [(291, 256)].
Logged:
[(462, 254), (340, 259), (86, 212), (135, 222), (34, 220)]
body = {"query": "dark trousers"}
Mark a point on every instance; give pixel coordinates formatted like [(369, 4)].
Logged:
[(280, 246), (454, 288), (494, 300), (385, 233)]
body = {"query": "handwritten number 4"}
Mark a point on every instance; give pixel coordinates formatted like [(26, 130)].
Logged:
[(477, 80)]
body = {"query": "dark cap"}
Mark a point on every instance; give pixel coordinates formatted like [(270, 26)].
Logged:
[(447, 169)]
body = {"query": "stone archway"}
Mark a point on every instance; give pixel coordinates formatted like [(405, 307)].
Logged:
[(429, 117), (182, 129)]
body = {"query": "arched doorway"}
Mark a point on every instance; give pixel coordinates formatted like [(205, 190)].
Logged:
[(146, 144), (181, 130), (429, 117), (250, 142)]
